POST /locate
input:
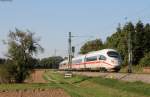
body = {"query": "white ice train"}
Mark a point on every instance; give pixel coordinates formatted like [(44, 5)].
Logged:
[(106, 59)]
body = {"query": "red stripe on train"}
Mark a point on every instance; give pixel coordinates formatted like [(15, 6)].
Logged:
[(93, 62)]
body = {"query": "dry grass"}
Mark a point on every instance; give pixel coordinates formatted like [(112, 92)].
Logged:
[(35, 93)]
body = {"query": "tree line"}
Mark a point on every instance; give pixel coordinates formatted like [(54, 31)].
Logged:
[(140, 44)]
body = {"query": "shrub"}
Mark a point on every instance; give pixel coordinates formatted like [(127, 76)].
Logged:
[(145, 61), (4, 74)]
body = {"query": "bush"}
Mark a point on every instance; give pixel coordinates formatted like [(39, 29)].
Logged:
[(145, 61), (4, 74), (7, 73)]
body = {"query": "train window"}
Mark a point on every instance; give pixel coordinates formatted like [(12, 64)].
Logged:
[(78, 61), (113, 54), (64, 64), (102, 57), (93, 58)]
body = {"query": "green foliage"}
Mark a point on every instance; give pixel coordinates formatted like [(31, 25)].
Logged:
[(146, 43), (145, 61), (22, 46), (7, 72), (140, 45), (51, 62), (135, 69), (5, 76), (2, 61), (93, 45), (136, 87), (140, 35)]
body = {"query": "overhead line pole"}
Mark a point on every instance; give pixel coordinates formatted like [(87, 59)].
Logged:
[(70, 52), (129, 50), (129, 53)]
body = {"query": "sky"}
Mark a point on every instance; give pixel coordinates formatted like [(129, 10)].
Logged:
[(51, 20)]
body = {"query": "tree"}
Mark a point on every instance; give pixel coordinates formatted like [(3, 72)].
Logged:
[(22, 46), (145, 61), (146, 38), (119, 40), (7, 72), (2, 60), (140, 35), (139, 41), (51, 62), (129, 31), (93, 45)]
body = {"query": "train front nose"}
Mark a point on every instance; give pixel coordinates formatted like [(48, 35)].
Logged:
[(117, 68), (116, 64)]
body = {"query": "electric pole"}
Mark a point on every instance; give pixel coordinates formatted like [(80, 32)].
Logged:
[(129, 53), (129, 50), (69, 52), (69, 74)]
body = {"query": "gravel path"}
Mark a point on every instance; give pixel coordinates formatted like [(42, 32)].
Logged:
[(121, 76)]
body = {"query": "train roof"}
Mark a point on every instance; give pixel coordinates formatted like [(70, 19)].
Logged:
[(90, 53), (64, 61), (94, 53), (103, 50)]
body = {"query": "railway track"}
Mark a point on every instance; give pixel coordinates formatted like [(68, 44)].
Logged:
[(129, 77)]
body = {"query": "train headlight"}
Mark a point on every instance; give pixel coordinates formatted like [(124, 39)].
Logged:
[(113, 61)]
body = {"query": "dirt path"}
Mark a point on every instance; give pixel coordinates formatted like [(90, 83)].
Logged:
[(37, 76)]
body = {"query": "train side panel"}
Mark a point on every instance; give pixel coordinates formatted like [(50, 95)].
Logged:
[(106, 58)]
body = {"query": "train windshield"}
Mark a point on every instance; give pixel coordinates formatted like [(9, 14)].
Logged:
[(113, 54)]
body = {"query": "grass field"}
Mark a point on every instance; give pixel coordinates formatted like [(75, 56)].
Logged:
[(135, 69), (26, 86), (81, 86), (36, 86)]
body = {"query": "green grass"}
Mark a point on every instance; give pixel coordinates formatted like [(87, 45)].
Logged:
[(81, 86), (133, 87), (135, 69), (26, 86)]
